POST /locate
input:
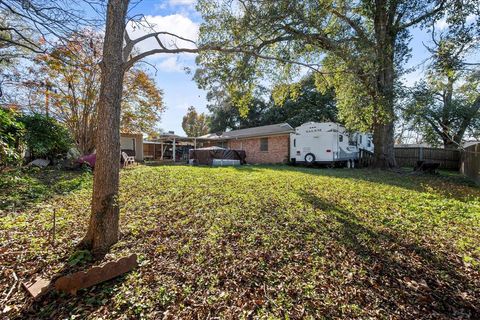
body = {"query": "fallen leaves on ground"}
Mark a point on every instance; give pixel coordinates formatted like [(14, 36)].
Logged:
[(261, 242)]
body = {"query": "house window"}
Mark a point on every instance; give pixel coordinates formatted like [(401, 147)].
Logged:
[(264, 144)]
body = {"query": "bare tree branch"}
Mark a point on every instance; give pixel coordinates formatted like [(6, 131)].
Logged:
[(424, 16), (355, 26)]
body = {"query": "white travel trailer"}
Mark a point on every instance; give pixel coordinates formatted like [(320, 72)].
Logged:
[(327, 143)]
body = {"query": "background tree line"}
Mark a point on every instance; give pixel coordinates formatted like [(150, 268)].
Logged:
[(357, 49), (63, 83), (296, 104)]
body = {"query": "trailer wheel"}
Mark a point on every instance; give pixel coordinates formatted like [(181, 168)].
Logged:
[(309, 158)]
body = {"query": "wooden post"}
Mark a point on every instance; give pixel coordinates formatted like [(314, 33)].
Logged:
[(161, 147), (54, 229), (135, 147), (194, 143), (174, 150)]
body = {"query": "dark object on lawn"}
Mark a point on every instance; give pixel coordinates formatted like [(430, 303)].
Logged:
[(88, 160), (427, 166), (37, 287), (83, 279), (205, 156), (41, 163)]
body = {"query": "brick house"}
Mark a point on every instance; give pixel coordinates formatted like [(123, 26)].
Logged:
[(265, 144)]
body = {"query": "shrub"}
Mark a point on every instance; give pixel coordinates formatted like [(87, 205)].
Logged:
[(11, 134), (45, 137)]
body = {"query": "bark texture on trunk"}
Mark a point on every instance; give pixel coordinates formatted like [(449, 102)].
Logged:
[(383, 142), (383, 127), (103, 229)]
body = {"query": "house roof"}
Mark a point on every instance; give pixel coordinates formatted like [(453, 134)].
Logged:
[(167, 137), (274, 129), (210, 136), (467, 144), (412, 145), (130, 134)]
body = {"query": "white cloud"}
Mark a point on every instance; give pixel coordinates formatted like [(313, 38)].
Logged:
[(170, 64), (182, 2), (471, 18), (441, 24), (189, 5), (177, 24)]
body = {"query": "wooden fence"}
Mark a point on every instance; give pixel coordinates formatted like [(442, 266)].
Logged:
[(470, 162), (408, 157), (467, 160)]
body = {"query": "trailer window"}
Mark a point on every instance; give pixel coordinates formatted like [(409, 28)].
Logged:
[(294, 142), (264, 144), (360, 139), (351, 140), (340, 138)]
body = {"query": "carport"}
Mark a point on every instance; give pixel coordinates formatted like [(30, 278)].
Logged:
[(171, 147)]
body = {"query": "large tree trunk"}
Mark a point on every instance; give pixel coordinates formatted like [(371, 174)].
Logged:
[(383, 128), (383, 141), (103, 229)]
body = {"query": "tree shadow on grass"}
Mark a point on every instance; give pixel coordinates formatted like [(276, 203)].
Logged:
[(23, 188), (405, 274), (442, 184)]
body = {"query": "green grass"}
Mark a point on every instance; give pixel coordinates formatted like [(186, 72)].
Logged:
[(268, 242), (20, 188)]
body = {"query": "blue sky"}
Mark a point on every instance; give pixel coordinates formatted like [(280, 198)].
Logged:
[(180, 91)]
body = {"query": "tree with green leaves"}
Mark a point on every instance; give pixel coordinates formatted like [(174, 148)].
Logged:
[(118, 56), (446, 104), (296, 104), (195, 124), (11, 138), (45, 137), (357, 48), (142, 102), (443, 112), (225, 115), (301, 102), (59, 19), (65, 84)]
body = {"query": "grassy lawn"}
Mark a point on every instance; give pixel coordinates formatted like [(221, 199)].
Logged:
[(261, 242)]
